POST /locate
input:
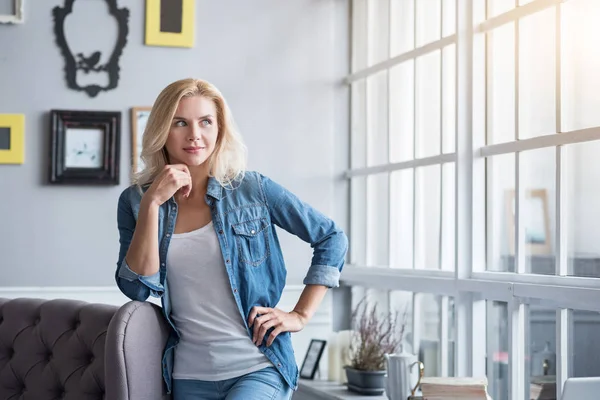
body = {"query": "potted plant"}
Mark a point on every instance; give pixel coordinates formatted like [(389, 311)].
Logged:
[(374, 336)]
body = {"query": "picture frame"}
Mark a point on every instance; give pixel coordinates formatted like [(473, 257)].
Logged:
[(313, 355), (171, 23), (12, 138), (535, 209), (85, 147), (139, 118), (18, 17)]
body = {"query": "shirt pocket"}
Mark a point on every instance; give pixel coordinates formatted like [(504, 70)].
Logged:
[(252, 239)]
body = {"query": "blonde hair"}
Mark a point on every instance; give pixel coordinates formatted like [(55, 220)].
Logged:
[(227, 163)]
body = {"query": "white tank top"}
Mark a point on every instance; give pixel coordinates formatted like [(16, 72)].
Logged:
[(214, 342)]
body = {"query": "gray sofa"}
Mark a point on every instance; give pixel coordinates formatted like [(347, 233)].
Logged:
[(67, 349)]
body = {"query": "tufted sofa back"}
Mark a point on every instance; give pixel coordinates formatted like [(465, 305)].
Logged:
[(52, 349)]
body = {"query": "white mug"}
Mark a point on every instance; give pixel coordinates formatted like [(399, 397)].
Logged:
[(404, 373)]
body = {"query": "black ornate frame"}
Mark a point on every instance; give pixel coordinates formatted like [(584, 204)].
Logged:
[(109, 122), (90, 63)]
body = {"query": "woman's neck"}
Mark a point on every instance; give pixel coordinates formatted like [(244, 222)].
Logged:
[(199, 181)]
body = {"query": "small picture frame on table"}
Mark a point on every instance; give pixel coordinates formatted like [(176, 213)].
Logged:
[(313, 355), (85, 147)]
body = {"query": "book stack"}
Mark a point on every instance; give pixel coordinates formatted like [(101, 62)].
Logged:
[(434, 388), (542, 388)]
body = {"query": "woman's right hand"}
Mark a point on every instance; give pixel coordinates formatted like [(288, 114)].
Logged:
[(172, 178)]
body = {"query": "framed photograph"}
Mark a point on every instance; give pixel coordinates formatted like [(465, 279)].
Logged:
[(312, 358), (85, 147), (139, 118), (12, 138), (170, 23), (18, 13), (534, 212)]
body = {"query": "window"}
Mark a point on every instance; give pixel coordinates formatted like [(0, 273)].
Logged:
[(474, 138)]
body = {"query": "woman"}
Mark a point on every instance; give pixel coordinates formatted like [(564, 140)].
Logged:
[(197, 230)]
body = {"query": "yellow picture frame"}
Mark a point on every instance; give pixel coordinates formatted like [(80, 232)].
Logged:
[(16, 153), (155, 37)]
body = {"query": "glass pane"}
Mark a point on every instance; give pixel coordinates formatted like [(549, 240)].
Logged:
[(379, 34), (358, 221), (541, 363), (497, 7), (427, 217), (449, 99), (378, 220), (449, 15), (428, 113), (580, 64), (448, 216), (451, 336), (497, 349), (401, 219), (377, 119), (537, 74), (429, 21), (430, 329), (402, 109), (479, 10), (584, 344), (479, 88), (402, 28), (401, 302), (538, 179), (501, 84), (358, 148), (359, 35), (581, 209), (500, 183)]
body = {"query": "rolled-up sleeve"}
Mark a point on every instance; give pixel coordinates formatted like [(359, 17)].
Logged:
[(329, 242), (135, 286)]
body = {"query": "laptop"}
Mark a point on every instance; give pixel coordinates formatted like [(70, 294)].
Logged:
[(581, 389)]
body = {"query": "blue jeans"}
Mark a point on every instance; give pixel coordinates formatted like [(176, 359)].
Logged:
[(266, 384)]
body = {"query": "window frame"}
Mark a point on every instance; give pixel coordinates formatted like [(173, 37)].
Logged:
[(470, 284)]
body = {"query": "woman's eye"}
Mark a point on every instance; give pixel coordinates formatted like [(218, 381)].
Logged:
[(180, 123), (206, 122)]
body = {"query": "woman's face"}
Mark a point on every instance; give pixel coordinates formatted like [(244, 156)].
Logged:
[(194, 131)]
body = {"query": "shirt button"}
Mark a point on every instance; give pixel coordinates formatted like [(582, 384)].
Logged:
[(253, 231), (163, 264), (168, 235), (234, 290), (221, 231), (227, 261)]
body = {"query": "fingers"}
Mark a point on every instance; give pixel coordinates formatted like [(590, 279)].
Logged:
[(258, 324), (264, 327), (255, 311), (179, 167), (274, 334)]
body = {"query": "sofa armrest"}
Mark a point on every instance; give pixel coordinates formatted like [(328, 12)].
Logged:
[(135, 341)]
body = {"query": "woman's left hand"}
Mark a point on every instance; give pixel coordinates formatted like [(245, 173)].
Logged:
[(280, 320)]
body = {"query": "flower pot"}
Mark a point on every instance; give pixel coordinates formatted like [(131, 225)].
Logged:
[(365, 382)]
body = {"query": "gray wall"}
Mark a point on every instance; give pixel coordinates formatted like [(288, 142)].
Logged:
[(278, 63)]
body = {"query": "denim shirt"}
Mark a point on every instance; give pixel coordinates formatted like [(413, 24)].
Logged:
[(244, 218)]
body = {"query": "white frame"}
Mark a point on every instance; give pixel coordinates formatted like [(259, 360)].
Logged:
[(18, 17), (470, 284)]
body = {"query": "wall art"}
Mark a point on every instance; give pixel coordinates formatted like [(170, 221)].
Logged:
[(170, 23), (12, 138), (17, 16), (85, 147), (139, 118), (91, 65)]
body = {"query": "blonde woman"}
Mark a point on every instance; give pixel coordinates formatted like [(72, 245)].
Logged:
[(198, 231)]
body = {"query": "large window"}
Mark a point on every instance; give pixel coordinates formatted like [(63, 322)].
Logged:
[(474, 190)]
